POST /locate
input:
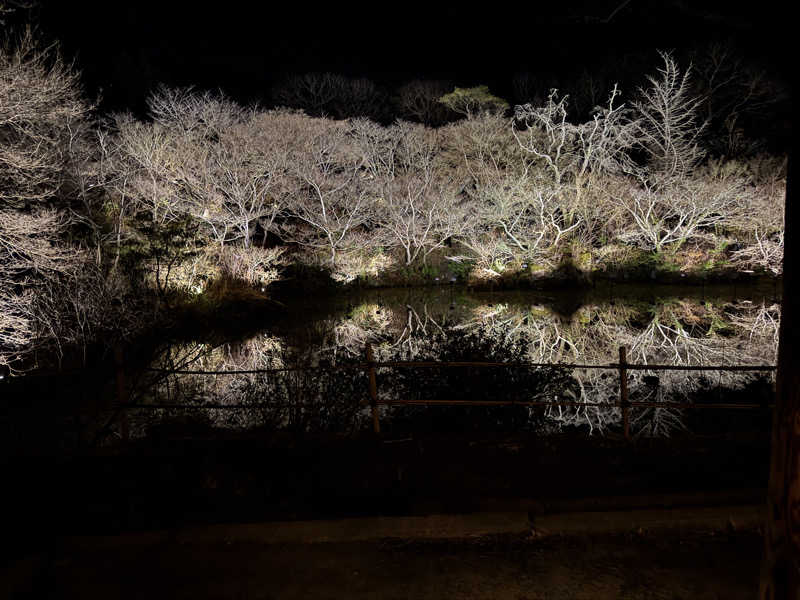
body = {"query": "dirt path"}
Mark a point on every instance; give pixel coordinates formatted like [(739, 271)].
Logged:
[(444, 527), (667, 565)]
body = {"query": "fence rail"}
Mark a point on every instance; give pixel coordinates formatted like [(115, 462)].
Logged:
[(479, 364), (370, 366)]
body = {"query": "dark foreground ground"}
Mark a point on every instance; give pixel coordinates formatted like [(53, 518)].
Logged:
[(696, 565), (173, 484)]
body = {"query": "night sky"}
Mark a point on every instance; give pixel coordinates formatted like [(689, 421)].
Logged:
[(126, 48)]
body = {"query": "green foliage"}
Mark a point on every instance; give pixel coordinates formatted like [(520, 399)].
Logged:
[(473, 101), (721, 247), (498, 266), (428, 271), (462, 269), (718, 324), (641, 262)]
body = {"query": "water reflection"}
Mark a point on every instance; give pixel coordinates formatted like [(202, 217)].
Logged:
[(700, 327)]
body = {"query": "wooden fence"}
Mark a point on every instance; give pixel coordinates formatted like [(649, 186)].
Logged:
[(370, 366)]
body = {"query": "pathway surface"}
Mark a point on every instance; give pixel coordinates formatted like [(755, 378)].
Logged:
[(699, 553), (432, 527)]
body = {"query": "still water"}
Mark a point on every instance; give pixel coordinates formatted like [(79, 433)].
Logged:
[(700, 325)]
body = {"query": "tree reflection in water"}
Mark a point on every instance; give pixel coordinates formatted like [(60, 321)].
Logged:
[(674, 331)]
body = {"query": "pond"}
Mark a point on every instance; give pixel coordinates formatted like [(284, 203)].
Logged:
[(328, 334)]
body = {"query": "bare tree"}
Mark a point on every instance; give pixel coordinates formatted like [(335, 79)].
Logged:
[(419, 100), (187, 111), (311, 92), (207, 157), (514, 221), (144, 156), (732, 91), (43, 118), (590, 91), (238, 182), (327, 94), (360, 97), (199, 150), (670, 216), (491, 170), (528, 88), (416, 206), (576, 156), (331, 203), (207, 160), (145, 166), (667, 127), (765, 253), (41, 108), (759, 220), (28, 259), (516, 211)]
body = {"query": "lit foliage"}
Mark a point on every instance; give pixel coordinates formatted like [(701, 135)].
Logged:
[(474, 101)]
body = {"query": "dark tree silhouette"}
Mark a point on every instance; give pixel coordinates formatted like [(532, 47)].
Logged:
[(780, 575)]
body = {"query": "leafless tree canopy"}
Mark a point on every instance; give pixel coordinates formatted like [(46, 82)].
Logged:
[(204, 189), (42, 113), (668, 128), (419, 100), (54, 293), (358, 196), (732, 91), (42, 119), (331, 95)]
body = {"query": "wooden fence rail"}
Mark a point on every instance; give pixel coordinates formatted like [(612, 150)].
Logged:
[(622, 367), (370, 367)]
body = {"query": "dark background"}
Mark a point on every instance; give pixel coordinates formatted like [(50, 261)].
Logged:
[(124, 49)]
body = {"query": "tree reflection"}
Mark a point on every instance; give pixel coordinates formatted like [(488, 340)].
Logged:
[(333, 397)]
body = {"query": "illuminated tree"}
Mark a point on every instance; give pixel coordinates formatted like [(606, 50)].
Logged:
[(330, 203), (667, 128), (43, 120), (415, 205), (671, 215), (42, 110), (577, 157), (475, 101)]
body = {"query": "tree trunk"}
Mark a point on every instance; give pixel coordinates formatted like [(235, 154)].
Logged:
[(780, 571)]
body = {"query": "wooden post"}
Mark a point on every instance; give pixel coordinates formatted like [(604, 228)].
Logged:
[(623, 392), (122, 398), (780, 570), (373, 389)]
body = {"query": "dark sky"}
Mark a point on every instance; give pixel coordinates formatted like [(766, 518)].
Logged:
[(125, 48)]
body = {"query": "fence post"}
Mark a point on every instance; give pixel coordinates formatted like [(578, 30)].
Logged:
[(122, 399), (373, 389), (623, 392)]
